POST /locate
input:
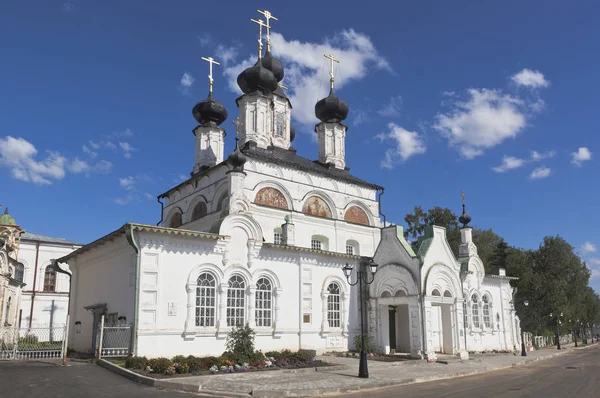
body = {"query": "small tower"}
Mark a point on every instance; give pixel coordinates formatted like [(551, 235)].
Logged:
[(331, 132), (236, 201), (210, 138), (10, 234), (265, 110), (467, 248)]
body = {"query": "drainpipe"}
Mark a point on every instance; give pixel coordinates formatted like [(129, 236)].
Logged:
[(465, 308), (37, 256), (136, 302), (162, 209), (423, 320), (57, 268)]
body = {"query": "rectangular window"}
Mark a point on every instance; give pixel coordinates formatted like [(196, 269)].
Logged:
[(350, 249), (315, 244), (279, 124), (306, 318), (307, 304), (277, 238)]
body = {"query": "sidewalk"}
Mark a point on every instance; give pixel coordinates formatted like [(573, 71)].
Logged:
[(344, 379)]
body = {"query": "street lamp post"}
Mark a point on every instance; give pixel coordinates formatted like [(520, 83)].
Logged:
[(558, 322), (361, 277), (523, 350)]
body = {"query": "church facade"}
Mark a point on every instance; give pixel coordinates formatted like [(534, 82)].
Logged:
[(261, 237)]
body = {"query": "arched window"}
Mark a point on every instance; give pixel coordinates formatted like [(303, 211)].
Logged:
[(475, 311), (315, 206), (465, 311), (319, 242), (236, 294), (49, 279), (334, 311), (271, 197), (19, 272), (352, 247), (356, 215), (206, 293), (436, 293), (264, 303), (277, 236), (487, 319), (199, 211), (447, 293), (221, 202), (175, 220)]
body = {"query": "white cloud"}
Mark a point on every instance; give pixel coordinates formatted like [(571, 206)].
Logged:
[(595, 261), (484, 120), (186, 80), (359, 117), (149, 196), (582, 155), (205, 39), (588, 247), (540, 172), (127, 183), (89, 152), (407, 144), (392, 108), (94, 145), (79, 166), (126, 199), (537, 156), (306, 69), (530, 78), (509, 163), (19, 155), (126, 148), (226, 54)]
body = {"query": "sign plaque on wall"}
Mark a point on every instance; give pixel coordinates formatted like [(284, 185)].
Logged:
[(172, 309)]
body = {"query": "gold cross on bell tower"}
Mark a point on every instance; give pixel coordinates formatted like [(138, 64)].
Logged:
[(260, 24), (331, 59), (268, 16), (210, 61), (238, 123), (463, 197)]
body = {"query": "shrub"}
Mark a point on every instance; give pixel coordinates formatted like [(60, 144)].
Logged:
[(241, 340), (179, 359), (136, 362), (306, 355), (195, 364), (358, 343), (160, 365), (28, 339)]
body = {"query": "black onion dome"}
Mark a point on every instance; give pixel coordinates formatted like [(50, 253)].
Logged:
[(257, 78), (292, 133), (237, 159), (274, 65), (464, 218), (209, 112), (331, 109)]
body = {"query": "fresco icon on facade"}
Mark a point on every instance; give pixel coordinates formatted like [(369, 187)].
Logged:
[(271, 197), (316, 206)]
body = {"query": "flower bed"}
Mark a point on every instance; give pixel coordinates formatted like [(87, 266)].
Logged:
[(227, 363)]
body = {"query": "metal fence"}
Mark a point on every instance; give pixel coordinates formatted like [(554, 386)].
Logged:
[(113, 340), (40, 342)]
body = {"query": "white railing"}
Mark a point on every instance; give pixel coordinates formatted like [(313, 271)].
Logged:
[(113, 340), (39, 342)]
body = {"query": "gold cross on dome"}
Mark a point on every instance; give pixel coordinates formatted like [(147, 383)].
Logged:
[(331, 59), (260, 24), (268, 16), (282, 86), (210, 61), (237, 123), (463, 197)]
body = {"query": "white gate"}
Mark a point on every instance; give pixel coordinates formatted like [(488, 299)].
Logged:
[(39, 342), (113, 339)]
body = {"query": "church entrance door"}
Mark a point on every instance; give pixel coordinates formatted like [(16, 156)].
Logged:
[(392, 324)]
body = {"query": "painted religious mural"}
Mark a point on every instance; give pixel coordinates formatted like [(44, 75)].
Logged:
[(271, 197), (356, 215), (315, 206)]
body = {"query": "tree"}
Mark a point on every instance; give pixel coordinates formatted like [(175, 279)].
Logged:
[(442, 217)]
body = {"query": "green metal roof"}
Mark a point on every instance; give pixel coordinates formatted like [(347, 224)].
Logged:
[(7, 219)]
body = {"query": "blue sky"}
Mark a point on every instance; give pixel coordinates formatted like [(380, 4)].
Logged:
[(95, 111)]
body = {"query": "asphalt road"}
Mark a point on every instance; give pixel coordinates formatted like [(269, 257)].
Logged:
[(575, 374)]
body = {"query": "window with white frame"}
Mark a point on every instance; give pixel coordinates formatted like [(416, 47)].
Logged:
[(349, 249), (316, 244), (475, 311), (279, 124), (487, 319), (206, 292), (465, 311), (236, 293), (334, 311), (19, 272), (352, 247), (264, 303), (49, 279), (277, 236)]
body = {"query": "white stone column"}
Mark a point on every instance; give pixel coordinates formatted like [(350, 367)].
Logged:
[(324, 323), (277, 297), (251, 318), (345, 313), (222, 322), (190, 321)]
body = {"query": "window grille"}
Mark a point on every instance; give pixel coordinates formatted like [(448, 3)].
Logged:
[(487, 319), (316, 244), (465, 311), (205, 300), (277, 238), (349, 249), (264, 303), (279, 122), (475, 311), (333, 306), (49, 279), (19, 272), (236, 294)]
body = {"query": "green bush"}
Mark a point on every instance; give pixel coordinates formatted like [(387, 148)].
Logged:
[(195, 364), (306, 355), (28, 339), (136, 362), (241, 340), (160, 365), (368, 343)]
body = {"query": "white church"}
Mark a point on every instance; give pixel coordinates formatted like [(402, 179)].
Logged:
[(261, 237)]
